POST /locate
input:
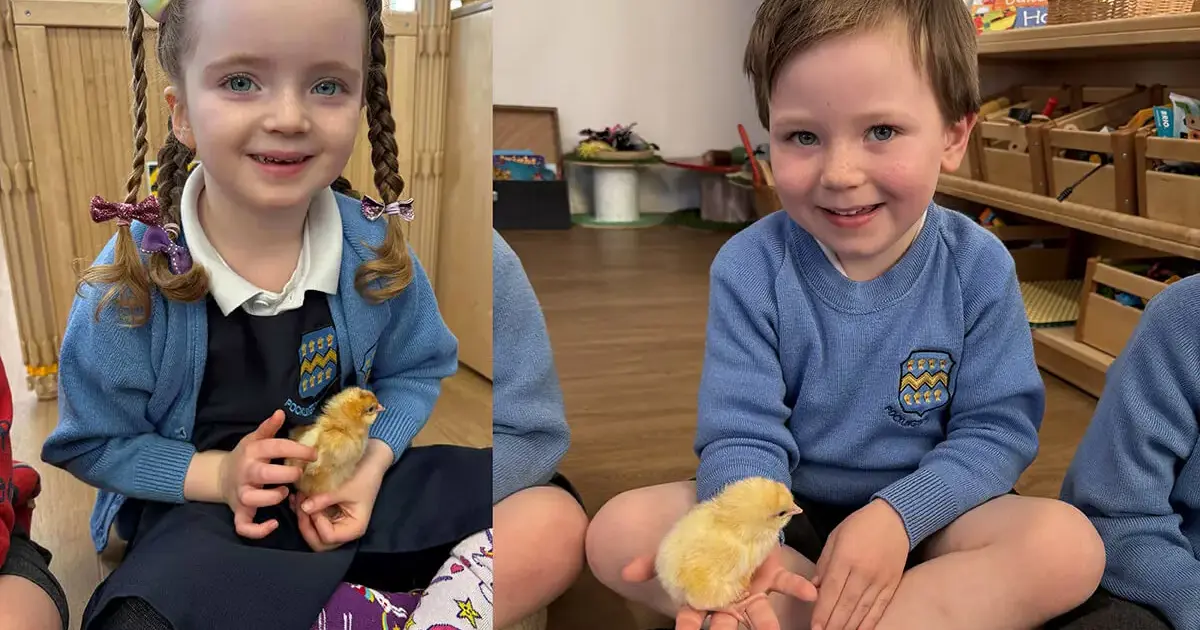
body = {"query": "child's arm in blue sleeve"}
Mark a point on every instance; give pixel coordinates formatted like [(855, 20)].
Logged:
[(106, 377), (741, 429), (412, 357), (1123, 476), (997, 405), (530, 431)]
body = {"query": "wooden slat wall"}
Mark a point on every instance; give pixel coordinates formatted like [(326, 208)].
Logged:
[(65, 76)]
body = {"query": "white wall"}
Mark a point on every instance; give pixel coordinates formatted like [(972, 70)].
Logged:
[(672, 66)]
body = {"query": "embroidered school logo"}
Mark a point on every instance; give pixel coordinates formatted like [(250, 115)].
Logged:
[(318, 361), (925, 381)]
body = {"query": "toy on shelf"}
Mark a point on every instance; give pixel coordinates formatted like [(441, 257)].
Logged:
[(1168, 271), (1003, 15), (521, 165), (616, 143)]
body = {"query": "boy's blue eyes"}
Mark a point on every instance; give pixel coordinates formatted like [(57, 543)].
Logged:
[(242, 83), (878, 133)]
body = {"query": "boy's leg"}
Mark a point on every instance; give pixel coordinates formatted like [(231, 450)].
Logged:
[(1013, 562), (632, 524), (540, 531)]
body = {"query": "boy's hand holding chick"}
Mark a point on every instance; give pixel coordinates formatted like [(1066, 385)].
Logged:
[(860, 568), (337, 490), (725, 556)]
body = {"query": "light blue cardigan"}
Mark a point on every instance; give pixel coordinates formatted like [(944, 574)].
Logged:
[(127, 396)]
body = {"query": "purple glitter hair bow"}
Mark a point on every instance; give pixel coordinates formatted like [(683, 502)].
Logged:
[(372, 209), (146, 211), (158, 240)]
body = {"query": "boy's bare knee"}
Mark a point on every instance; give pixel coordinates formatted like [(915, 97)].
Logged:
[(1066, 551), (631, 524)]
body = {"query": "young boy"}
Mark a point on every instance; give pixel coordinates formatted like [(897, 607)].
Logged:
[(1136, 473), (30, 596), (870, 349), (538, 518)]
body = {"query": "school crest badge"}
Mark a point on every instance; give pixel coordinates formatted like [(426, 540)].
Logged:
[(925, 381), (364, 373), (318, 361)]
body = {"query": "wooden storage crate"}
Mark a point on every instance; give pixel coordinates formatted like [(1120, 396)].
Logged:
[(1168, 197), (1012, 153), (1034, 264), (1104, 323), (1110, 184)]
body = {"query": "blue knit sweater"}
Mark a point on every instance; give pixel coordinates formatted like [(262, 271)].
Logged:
[(127, 396), (529, 429), (1136, 473), (918, 387)]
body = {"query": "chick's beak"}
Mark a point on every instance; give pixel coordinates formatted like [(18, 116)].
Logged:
[(381, 408), (794, 510)]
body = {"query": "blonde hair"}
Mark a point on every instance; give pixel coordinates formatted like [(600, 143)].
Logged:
[(128, 279), (941, 32)]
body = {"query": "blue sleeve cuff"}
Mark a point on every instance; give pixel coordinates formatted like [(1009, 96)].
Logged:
[(726, 465), (924, 502), (160, 469), (396, 430)]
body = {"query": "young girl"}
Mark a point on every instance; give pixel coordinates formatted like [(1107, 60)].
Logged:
[(30, 596), (262, 294), (539, 517)]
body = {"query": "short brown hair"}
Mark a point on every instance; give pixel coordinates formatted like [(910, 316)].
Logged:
[(941, 31), (127, 278)]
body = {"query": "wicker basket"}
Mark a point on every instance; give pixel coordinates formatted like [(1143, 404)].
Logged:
[(1076, 11)]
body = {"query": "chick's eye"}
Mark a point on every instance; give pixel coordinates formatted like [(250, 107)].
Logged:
[(781, 514)]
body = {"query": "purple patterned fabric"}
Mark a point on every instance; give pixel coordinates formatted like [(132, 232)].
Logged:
[(354, 607)]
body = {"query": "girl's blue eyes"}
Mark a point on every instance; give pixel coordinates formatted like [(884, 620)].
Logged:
[(242, 83), (878, 133)]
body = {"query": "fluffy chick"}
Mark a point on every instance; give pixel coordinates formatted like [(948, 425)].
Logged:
[(339, 436), (707, 558)]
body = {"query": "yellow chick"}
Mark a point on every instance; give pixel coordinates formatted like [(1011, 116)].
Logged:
[(339, 436), (707, 558)]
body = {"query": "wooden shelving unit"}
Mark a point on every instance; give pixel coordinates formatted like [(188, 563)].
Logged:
[(1156, 46)]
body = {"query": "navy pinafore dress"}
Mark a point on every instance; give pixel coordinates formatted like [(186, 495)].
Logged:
[(187, 562)]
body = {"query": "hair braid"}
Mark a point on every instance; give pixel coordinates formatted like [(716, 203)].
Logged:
[(392, 267), (174, 159), (126, 277)]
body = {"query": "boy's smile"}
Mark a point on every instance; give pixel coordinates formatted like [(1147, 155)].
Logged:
[(857, 141)]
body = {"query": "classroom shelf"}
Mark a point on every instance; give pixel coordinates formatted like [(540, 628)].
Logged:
[(1136, 230), (1079, 364), (1155, 36)]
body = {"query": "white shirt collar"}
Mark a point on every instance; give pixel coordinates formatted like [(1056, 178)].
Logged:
[(317, 269), (837, 264)]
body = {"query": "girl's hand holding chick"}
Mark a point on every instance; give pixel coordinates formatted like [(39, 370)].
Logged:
[(860, 568), (247, 468), (354, 500)]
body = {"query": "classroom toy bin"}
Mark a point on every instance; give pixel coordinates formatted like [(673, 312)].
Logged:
[(1104, 322), (1164, 196), (1012, 153), (1099, 164), (1039, 250)]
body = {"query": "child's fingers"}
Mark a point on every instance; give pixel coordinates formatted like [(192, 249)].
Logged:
[(638, 570), (848, 602), (690, 619), (344, 531), (309, 533), (253, 497), (761, 616), (864, 606), (269, 427), (280, 448), (788, 583), (247, 528), (726, 621), (876, 612), (318, 503), (260, 473), (830, 593)]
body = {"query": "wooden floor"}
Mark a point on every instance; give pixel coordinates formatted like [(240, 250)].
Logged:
[(463, 415), (626, 312)]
